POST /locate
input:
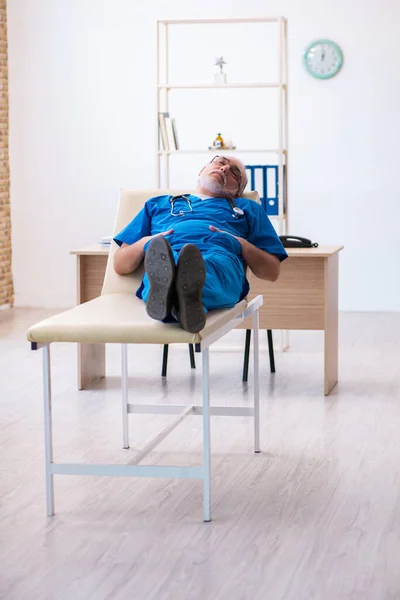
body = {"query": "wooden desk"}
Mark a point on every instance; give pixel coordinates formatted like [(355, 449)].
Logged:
[(304, 297)]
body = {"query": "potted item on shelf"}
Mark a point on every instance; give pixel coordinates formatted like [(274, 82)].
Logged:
[(219, 144)]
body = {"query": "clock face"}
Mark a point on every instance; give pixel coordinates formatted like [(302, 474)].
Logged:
[(323, 59)]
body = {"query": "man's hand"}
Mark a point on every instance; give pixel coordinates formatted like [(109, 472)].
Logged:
[(239, 239), (147, 238), (264, 265), (129, 256)]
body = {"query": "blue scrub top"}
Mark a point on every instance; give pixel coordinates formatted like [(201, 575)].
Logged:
[(192, 227)]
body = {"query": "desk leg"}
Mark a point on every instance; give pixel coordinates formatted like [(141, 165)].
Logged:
[(331, 318), (90, 272), (91, 364)]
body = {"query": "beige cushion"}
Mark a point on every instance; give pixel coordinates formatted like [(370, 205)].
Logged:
[(122, 318), (117, 316)]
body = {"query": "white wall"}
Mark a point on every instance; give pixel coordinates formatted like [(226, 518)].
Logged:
[(82, 103)]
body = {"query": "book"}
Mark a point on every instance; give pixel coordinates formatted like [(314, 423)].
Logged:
[(162, 116), (175, 133), (170, 133), (106, 241)]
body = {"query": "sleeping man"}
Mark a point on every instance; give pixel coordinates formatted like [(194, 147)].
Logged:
[(196, 246)]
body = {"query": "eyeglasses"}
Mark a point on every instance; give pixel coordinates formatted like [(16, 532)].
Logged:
[(236, 173)]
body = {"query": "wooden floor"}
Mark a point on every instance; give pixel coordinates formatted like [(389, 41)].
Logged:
[(315, 516)]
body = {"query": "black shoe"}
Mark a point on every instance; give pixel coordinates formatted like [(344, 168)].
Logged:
[(160, 268), (189, 282)]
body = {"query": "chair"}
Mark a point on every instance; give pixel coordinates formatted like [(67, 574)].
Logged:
[(246, 356), (119, 317)]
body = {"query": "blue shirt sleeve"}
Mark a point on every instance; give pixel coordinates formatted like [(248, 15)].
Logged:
[(262, 233), (138, 228)]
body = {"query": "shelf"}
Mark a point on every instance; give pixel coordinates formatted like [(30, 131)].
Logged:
[(277, 153), (232, 20), (221, 150), (196, 86)]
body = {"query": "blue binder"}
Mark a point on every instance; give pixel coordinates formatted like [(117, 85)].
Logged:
[(269, 201)]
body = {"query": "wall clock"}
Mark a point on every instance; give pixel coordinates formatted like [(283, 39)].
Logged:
[(323, 59)]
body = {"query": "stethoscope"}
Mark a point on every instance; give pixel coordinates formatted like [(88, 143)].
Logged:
[(236, 211)]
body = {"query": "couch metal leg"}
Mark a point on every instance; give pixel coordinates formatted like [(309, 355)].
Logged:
[(48, 434), (271, 351), (246, 355), (206, 435), (124, 389), (256, 384), (192, 359), (164, 361)]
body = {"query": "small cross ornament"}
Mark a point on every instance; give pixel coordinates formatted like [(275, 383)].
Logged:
[(221, 76)]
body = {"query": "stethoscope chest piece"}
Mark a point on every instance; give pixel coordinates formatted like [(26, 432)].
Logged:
[(237, 212)]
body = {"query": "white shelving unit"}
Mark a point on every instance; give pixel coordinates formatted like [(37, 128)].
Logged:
[(163, 158)]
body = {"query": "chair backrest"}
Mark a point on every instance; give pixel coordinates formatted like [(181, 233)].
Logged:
[(131, 202)]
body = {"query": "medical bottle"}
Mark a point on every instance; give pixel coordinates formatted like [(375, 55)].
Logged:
[(218, 142)]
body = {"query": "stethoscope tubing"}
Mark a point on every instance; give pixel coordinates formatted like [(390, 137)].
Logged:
[(237, 212)]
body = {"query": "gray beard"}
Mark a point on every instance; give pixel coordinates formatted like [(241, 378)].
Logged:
[(211, 185)]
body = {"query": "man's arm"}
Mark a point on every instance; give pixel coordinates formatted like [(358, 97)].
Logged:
[(128, 258), (262, 264)]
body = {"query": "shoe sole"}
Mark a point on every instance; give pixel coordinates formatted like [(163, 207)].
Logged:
[(189, 282), (160, 268)]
